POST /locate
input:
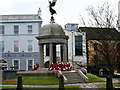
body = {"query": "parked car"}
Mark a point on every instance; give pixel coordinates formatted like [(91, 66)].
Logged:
[(116, 75)]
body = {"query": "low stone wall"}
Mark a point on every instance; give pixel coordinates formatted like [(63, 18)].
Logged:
[(8, 74), (83, 75), (39, 72), (59, 74)]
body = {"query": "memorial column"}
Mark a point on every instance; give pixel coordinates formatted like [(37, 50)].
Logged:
[(41, 56), (64, 52), (51, 53)]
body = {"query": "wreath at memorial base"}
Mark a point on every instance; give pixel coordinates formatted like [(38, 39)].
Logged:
[(62, 66)]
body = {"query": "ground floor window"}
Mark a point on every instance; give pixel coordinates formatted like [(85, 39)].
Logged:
[(30, 64), (3, 64), (16, 64)]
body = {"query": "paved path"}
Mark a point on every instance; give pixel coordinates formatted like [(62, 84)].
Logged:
[(95, 85), (82, 85), (88, 85)]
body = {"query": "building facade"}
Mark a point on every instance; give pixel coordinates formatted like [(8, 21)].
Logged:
[(18, 45), (97, 40), (76, 45)]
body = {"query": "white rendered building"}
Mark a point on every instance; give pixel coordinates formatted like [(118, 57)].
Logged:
[(18, 45), (76, 44)]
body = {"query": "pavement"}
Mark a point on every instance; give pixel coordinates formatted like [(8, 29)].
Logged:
[(84, 86)]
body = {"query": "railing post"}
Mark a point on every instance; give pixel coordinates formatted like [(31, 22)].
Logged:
[(19, 83), (61, 82)]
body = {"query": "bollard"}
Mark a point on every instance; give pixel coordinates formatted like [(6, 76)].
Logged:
[(19, 83), (61, 83)]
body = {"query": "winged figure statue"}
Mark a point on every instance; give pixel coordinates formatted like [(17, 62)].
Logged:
[(52, 4)]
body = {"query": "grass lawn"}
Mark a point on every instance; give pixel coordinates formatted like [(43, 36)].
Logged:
[(34, 80), (51, 80), (40, 80), (47, 80), (104, 85), (94, 78), (75, 87)]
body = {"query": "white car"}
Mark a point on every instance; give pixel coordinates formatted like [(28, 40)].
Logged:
[(117, 74)]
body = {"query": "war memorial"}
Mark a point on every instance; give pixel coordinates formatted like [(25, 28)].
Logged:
[(53, 34)]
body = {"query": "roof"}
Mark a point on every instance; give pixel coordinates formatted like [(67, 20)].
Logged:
[(20, 17), (51, 29), (52, 33), (94, 33), (71, 24)]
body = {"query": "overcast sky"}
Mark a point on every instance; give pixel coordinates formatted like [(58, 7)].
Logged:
[(67, 10)]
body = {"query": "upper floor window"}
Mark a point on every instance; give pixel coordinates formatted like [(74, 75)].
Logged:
[(16, 46), (71, 26), (2, 29), (1, 46), (16, 29), (30, 47), (29, 29), (78, 45)]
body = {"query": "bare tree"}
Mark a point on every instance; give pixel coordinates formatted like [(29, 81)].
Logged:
[(103, 17)]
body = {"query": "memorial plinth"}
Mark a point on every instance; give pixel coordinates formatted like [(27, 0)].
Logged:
[(41, 72)]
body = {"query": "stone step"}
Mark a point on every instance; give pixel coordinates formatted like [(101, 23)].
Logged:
[(73, 77)]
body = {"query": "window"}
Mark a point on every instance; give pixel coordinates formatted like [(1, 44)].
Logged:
[(2, 29), (16, 29), (47, 49), (30, 48), (78, 45), (16, 46), (72, 26), (29, 29), (16, 64), (1, 46), (3, 64), (29, 64)]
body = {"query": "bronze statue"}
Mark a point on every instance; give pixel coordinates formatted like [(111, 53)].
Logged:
[(52, 4)]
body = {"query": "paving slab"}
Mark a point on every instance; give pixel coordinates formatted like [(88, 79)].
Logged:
[(88, 85)]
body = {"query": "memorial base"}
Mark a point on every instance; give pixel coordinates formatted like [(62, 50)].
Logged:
[(39, 72)]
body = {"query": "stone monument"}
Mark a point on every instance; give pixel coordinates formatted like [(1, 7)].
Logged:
[(52, 34)]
